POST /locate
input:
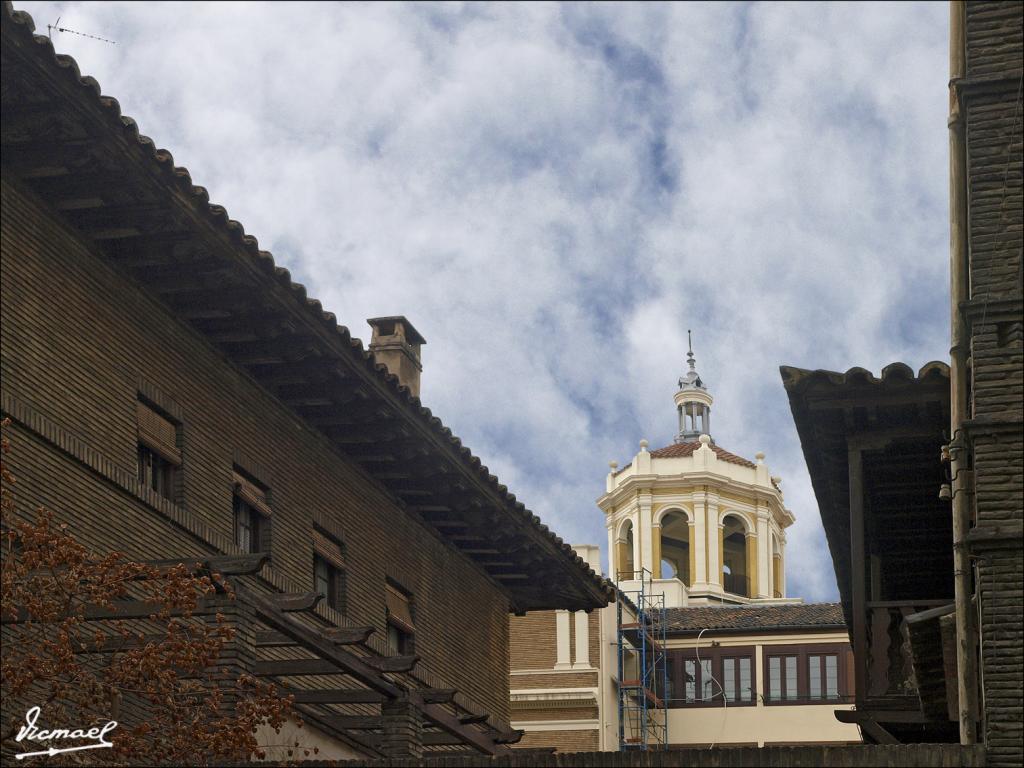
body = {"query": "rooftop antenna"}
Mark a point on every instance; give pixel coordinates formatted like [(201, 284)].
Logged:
[(50, 28)]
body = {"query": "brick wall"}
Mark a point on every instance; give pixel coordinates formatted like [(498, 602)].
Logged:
[(79, 340), (532, 641), (564, 741), (556, 680), (569, 713), (991, 99)]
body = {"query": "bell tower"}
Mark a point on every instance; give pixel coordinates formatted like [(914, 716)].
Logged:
[(693, 402), (705, 525)]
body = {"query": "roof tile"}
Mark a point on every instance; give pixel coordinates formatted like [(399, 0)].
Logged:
[(755, 617), (686, 449)]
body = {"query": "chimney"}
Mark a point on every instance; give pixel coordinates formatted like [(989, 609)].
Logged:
[(396, 344)]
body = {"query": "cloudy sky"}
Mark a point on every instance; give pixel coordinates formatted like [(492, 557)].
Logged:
[(554, 193)]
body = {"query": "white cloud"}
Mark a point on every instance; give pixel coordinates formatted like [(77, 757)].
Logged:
[(553, 194)]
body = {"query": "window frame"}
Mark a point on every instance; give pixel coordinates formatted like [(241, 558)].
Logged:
[(330, 551), (260, 520), (405, 632), (803, 654), (158, 450), (714, 656)]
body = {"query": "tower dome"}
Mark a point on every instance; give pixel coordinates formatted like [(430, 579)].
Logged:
[(693, 402)]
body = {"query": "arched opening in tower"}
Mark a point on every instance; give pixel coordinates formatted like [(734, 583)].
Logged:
[(626, 568), (675, 547), (734, 557)]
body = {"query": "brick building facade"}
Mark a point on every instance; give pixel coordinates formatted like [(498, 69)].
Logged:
[(990, 432), (174, 395)]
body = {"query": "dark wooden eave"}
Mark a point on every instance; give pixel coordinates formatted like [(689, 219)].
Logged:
[(74, 149), (899, 412)]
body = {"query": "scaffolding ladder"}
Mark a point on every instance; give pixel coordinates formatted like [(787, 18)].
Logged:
[(642, 667)]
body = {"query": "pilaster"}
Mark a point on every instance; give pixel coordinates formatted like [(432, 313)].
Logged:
[(716, 546), (403, 730), (691, 526), (582, 640), (764, 555), (656, 551), (699, 541), (644, 516)]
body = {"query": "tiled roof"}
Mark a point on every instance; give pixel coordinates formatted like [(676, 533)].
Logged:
[(686, 449), (592, 588), (756, 618)]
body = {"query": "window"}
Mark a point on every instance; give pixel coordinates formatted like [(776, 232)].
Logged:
[(252, 515), (782, 678), (159, 457), (699, 681), (807, 674), (823, 676), (329, 568), (722, 675), (736, 678), (401, 630)]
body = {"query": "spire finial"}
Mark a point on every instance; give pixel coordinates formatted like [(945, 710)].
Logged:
[(689, 355)]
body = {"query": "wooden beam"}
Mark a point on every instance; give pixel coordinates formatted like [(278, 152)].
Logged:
[(355, 722), (116, 643), (373, 458), (280, 667), (509, 737), (135, 609), (312, 641), (78, 203), (348, 635), (473, 718), (226, 565), (348, 417), (335, 696), (436, 695), (265, 638), (866, 721), (338, 636), (441, 739), (298, 601), (855, 467)]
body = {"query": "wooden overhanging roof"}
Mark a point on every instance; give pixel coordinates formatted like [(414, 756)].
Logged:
[(73, 147), (902, 417)]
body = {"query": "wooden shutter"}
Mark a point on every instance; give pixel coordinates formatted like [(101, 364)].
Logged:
[(252, 495), (328, 549), (398, 609), (158, 434)]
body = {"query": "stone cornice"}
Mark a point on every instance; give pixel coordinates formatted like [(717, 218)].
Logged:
[(629, 488)]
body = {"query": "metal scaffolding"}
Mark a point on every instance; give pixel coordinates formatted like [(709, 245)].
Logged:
[(643, 671)]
